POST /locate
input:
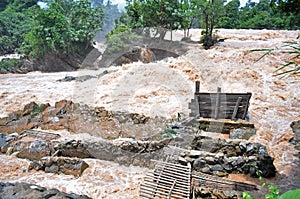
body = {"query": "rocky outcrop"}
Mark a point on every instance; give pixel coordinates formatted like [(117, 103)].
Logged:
[(68, 166), (221, 157), (205, 192), (24, 190), (32, 146), (295, 125), (82, 119)]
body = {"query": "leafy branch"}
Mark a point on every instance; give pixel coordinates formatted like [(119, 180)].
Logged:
[(290, 67)]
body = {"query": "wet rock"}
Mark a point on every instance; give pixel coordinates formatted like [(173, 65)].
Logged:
[(242, 133), (68, 166), (295, 125), (32, 150), (266, 166), (24, 190), (29, 108), (216, 167), (199, 164), (73, 148), (206, 170)]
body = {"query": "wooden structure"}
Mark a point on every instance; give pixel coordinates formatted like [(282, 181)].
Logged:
[(204, 180), (175, 181), (219, 105), (167, 181)]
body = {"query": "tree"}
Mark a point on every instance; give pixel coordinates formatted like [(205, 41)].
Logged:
[(64, 27), (14, 23), (160, 14), (231, 16), (3, 4), (211, 11)]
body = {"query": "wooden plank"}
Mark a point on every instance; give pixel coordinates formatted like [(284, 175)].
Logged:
[(173, 169), (247, 106), (153, 185), (172, 188), (217, 103), (197, 89), (161, 193), (236, 108), (171, 164), (180, 185)]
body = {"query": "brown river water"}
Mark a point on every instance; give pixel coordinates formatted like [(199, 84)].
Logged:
[(164, 88)]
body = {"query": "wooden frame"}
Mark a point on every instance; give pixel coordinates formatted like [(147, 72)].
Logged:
[(219, 105)]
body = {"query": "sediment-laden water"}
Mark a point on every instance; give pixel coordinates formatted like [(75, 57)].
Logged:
[(165, 88)]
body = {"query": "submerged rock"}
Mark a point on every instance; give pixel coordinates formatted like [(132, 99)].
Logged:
[(68, 166), (24, 190)]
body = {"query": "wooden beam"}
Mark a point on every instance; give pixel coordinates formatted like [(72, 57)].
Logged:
[(236, 108), (217, 103), (247, 106)]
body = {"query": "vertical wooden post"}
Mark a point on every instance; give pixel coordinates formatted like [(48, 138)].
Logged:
[(247, 106), (217, 103), (197, 87), (236, 108), (196, 97)]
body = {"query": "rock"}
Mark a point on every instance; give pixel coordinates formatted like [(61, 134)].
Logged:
[(210, 160), (29, 108), (3, 139), (32, 150), (220, 173), (199, 164), (266, 166), (206, 170), (217, 167), (68, 166), (228, 167), (295, 125), (242, 133), (24, 190), (73, 148)]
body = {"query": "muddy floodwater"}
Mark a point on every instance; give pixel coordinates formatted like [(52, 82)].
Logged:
[(164, 88)]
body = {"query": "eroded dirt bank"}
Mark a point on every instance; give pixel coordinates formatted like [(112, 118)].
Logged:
[(164, 89)]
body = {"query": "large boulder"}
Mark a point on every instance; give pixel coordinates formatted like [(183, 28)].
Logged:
[(20, 190), (68, 166)]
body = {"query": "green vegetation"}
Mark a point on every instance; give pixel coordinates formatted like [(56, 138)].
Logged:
[(6, 64), (169, 133), (66, 26), (37, 110), (118, 38), (292, 65), (62, 28), (272, 192), (161, 16)]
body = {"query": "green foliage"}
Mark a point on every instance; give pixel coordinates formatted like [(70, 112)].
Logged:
[(211, 12), (37, 110), (272, 192), (13, 25), (118, 38), (292, 66), (161, 14), (292, 194), (66, 26), (8, 64), (169, 133)]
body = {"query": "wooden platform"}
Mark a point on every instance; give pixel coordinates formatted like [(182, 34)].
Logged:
[(167, 181), (222, 126)]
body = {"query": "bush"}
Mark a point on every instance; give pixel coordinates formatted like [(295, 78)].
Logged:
[(7, 64), (118, 38)]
